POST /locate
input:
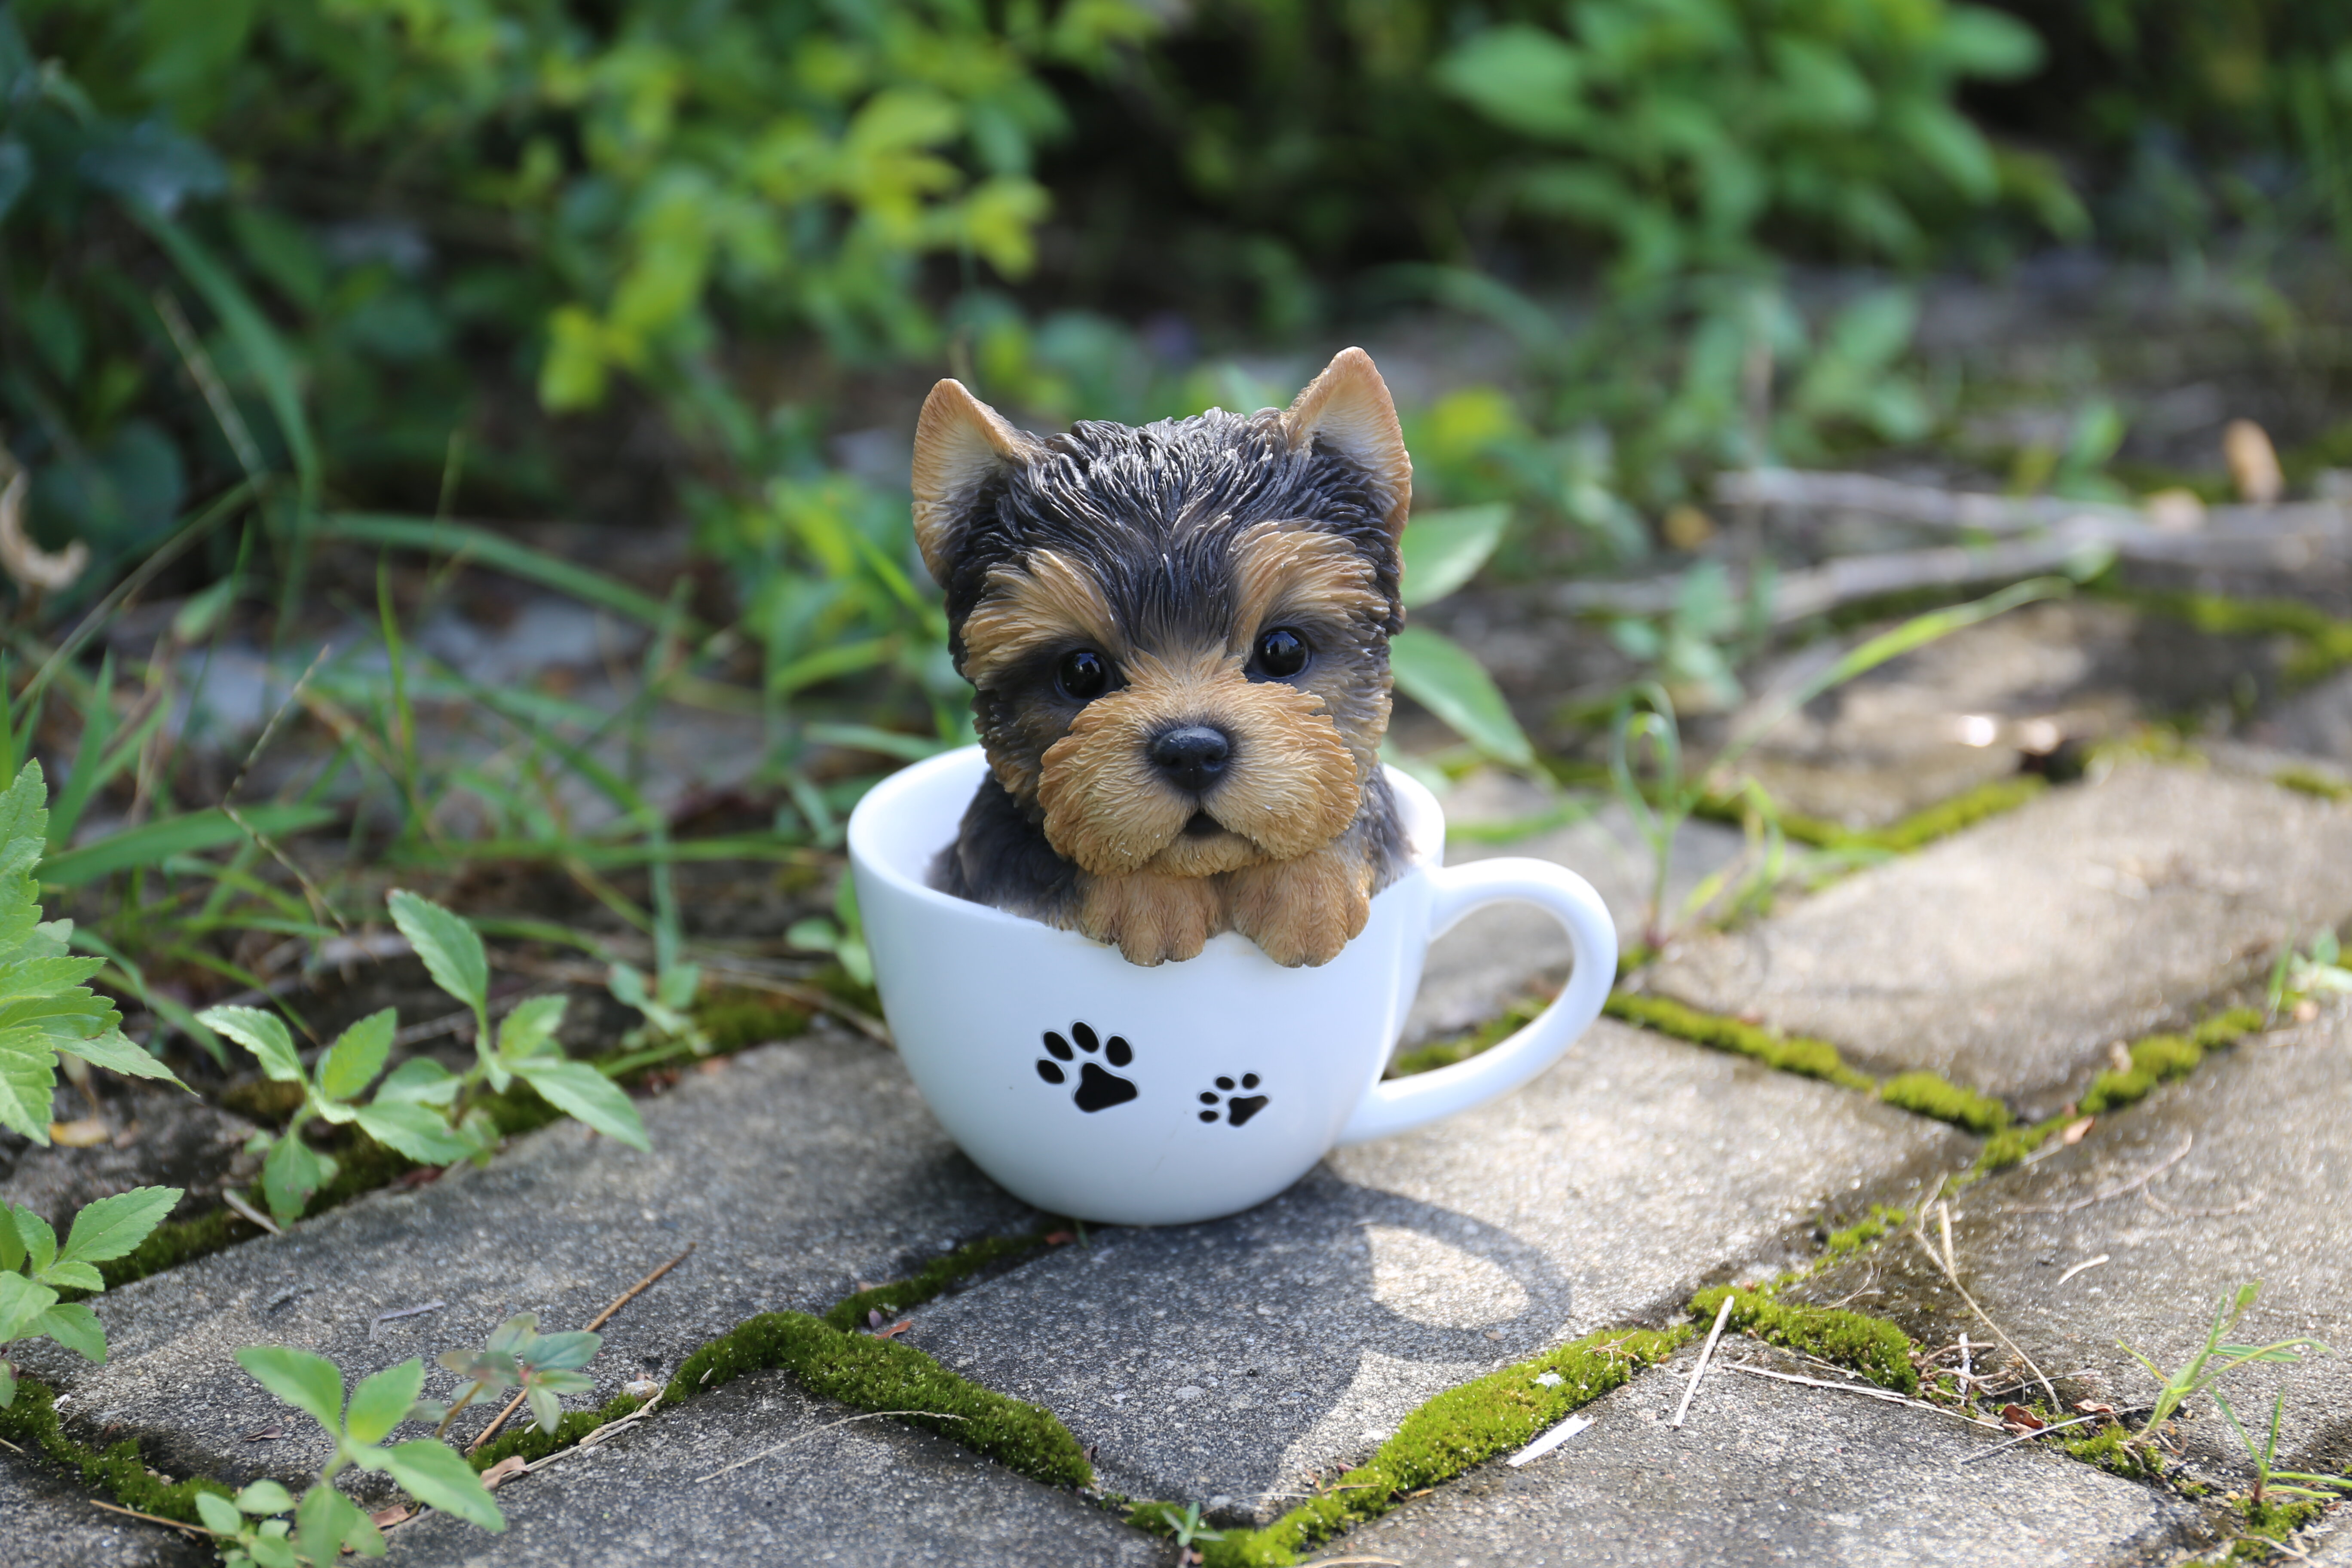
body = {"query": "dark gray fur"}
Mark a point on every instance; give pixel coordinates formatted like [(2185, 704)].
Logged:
[(1152, 513)]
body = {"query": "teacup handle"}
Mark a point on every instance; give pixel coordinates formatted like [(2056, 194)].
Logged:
[(1400, 1104)]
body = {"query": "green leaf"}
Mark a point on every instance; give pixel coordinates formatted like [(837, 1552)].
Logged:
[(7, 1384), (420, 1080), (380, 1402), (74, 1326), (12, 1246), (27, 1079), (117, 1052), (1443, 549), (434, 1475), (416, 1131), (73, 1277), (553, 1352), (1522, 78), (152, 842), (563, 1381), (322, 1519), (263, 1034), (292, 1172), (451, 949), (352, 1063), (516, 1335), (219, 1514), (531, 1028), (578, 1090), (1439, 673), (263, 1498), (627, 985), (40, 1241), (309, 1382), (112, 1226), (22, 1302), (274, 1551)]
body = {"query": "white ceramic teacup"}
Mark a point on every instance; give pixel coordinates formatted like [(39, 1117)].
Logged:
[(1094, 1088)]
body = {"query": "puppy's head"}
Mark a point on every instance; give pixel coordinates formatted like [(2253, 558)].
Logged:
[(1178, 633)]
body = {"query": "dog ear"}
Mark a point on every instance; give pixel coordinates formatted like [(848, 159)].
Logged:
[(1349, 407), (960, 442)]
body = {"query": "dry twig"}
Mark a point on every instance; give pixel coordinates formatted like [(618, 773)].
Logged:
[(1722, 1316), (601, 1319)]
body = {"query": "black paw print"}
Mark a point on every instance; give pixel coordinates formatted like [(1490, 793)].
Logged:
[(1098, 1090), (1239, 1108)]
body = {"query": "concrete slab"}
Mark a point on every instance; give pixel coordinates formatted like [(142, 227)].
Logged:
[(1495, 957), (1226, 1363), (148, 1133), (794, 1170), (849, 1489), (2008, 957), (2236, 1174), (47, 1520), (1772, 1472)]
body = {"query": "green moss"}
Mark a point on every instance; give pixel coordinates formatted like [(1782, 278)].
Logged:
[(2154, 1061), (2008, 1148), (1796, 1054), (2223, 1028), (2113, 1449), (1854, 1238), (1462, 1047), (935, 1277), (31, 1423), (2321, 642), (1459, 1429), (869, 1373), (1871, 1346), (736, 1020), (535, 1444), (2308, 782), (1930, 1095)]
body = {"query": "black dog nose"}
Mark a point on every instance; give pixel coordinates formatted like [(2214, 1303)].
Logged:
[(1192, 755)]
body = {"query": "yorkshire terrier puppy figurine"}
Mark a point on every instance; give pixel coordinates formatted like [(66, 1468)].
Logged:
[(1178, 635)]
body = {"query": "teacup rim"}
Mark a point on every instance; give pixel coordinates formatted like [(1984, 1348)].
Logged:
[(1424, 819)]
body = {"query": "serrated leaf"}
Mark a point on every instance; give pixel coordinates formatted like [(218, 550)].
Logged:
[(451, 949), (24, 822), (40, 1241), (112, 1226), (291, 1174), (322, 1519), (434, 1475), (29, 1079), (117, 1052), (72, 1276), (74, 1326), (263, 1034), (380, 1402), (263, 1498), (358, 1054), (418, 1131), (530, 1028), (579, 1090), (553, 1352), (420, 1080), (21, 1303), (309, 1382), (219, 1514)]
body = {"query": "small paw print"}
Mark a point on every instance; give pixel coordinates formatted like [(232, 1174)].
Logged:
[(1098, 1090), (1239, 1108)]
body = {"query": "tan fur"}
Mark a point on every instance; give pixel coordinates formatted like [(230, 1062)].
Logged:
[(1151, 918), (1292, 785), (1283, 571), (1030, 609), (959, 443), (1348, 406), (1305, 910)]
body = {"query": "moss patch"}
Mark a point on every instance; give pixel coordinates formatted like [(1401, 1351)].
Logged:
[(2321, 642), (1881, 1221), (1930, 1095), (867, 1374), (1787, 1053), (2159, 1059), (1915, 831), (2305, 781), (934, 1277), (2113, 1449), (1462, 1047), (1459, 1429), (31, 1423), (1871, 1346), (737, 1020)]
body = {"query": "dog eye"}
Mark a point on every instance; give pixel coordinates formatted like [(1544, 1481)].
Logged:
[(1282, 653), (1083, 675)]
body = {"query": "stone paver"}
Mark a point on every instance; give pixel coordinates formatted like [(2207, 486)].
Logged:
[(2008, 958), (869, 1493), (796, 1170), (158, 1135), (1225, 1362), (1772, 1472), (1492, 958), (47, 1520), (2259, 1145)]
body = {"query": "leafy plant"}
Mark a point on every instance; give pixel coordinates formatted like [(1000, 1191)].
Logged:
[(47, 1012), (1183, 1525), (544, 1365), (844, 936), (246, 1525), (34, 1269), (2302, 1485), (421, 1108), (2298, 974), (2216, 1360), (326, 1521)]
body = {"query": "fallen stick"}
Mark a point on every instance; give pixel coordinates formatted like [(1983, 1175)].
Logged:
[(601, 1319), (2028, 1437), (1952, 1273), (150, 1518), (1722, 1316), (1885, 1395), (246, 1211)]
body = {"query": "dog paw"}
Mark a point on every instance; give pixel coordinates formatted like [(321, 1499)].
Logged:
[(1238, 1108), (1152, 918), (1302, 911), (1098, 1090)]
